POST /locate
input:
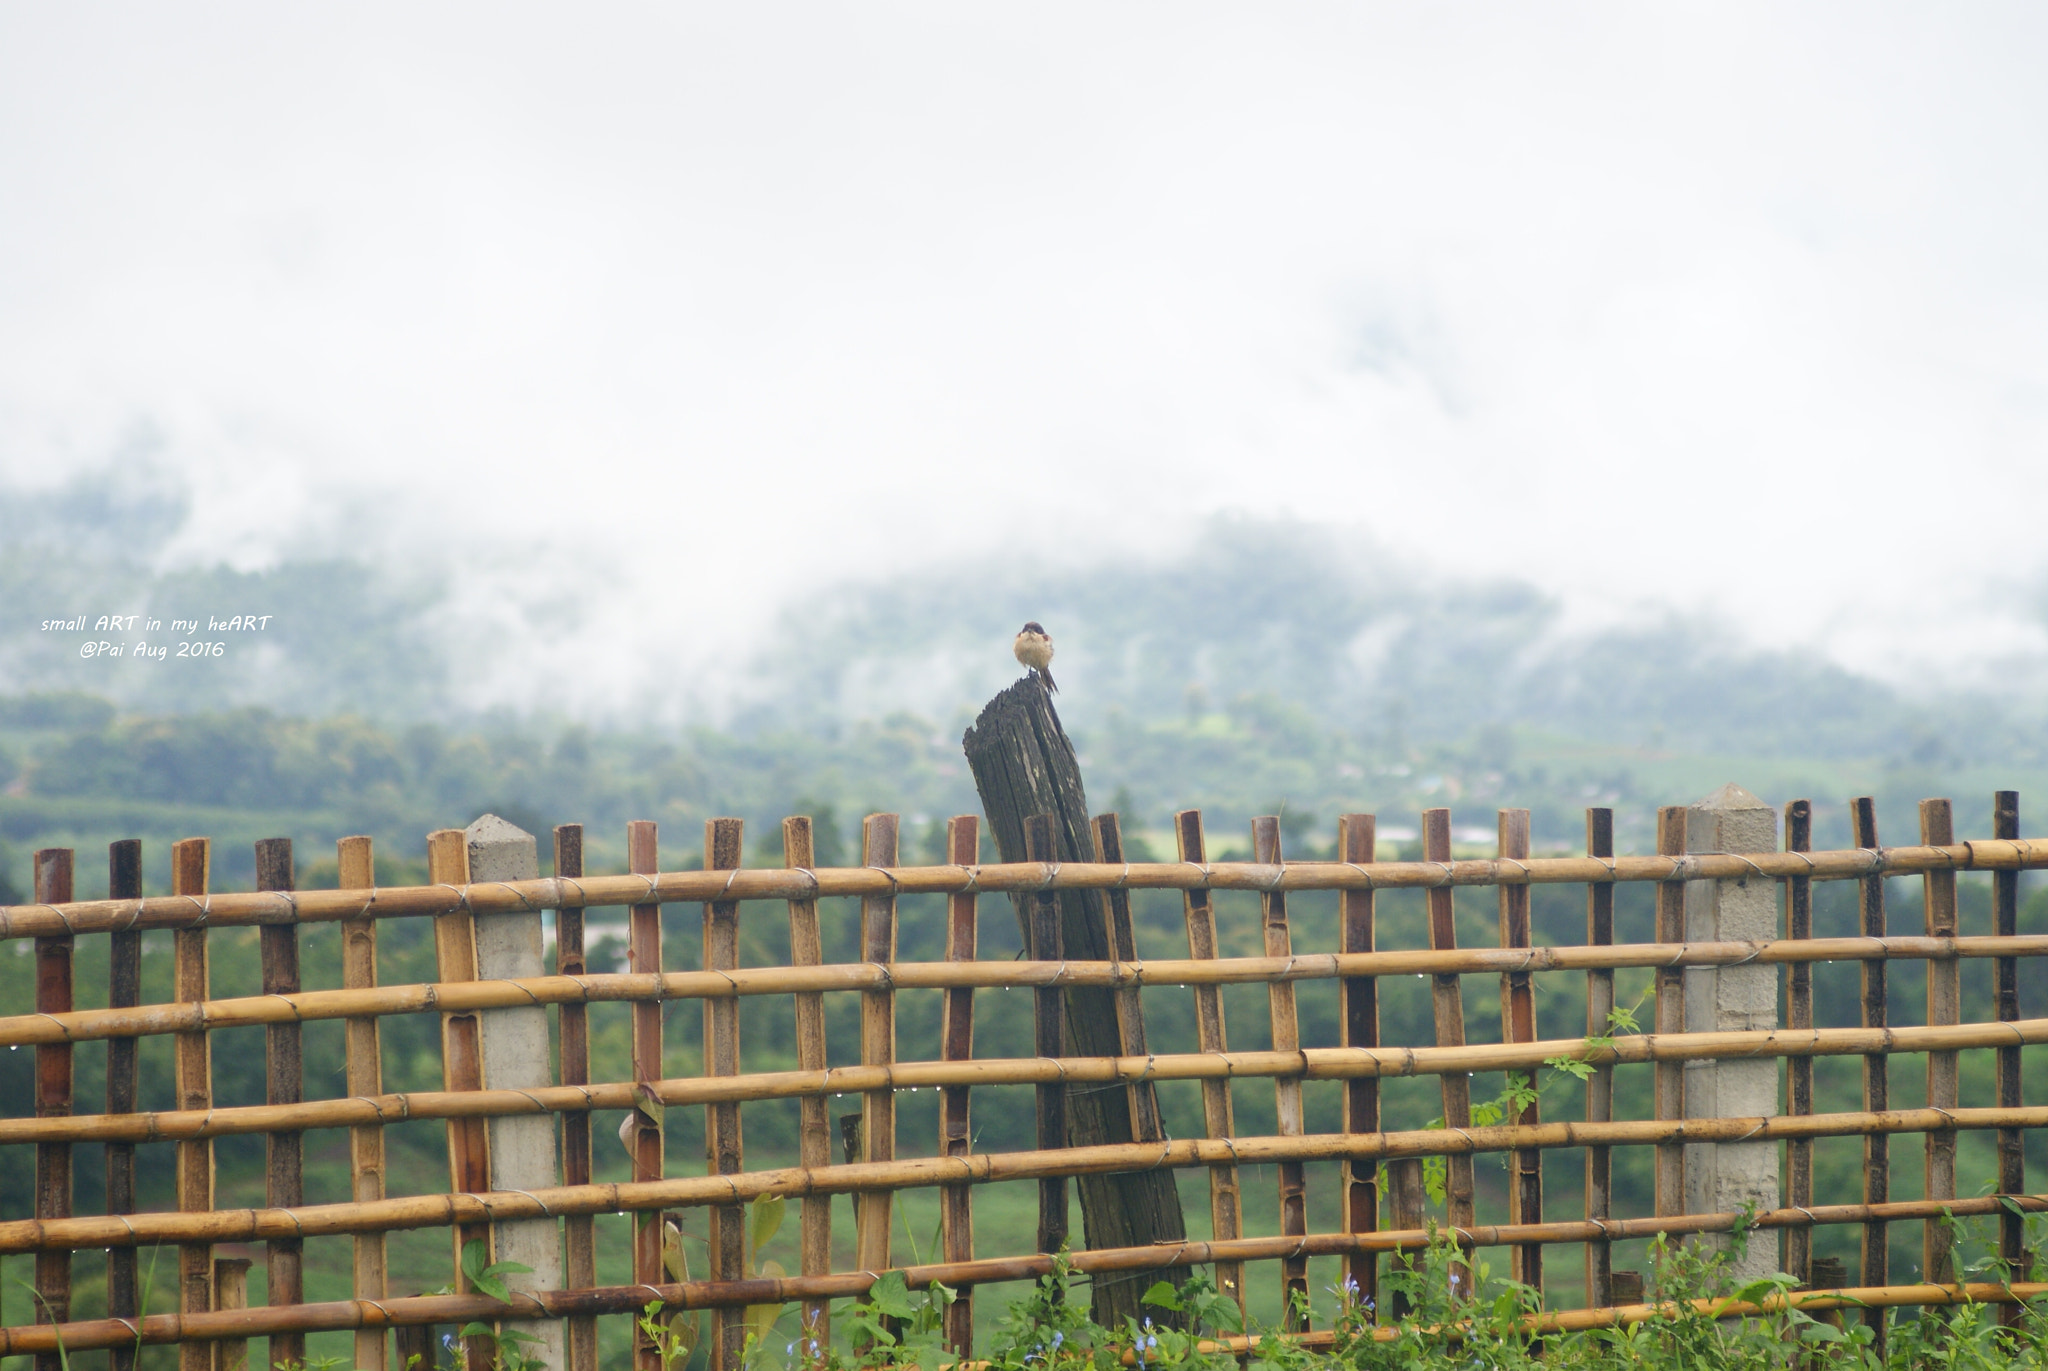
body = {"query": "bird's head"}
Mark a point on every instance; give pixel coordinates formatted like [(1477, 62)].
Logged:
[(1033, 627)]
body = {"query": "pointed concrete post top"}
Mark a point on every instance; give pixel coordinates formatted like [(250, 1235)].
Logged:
[(1730, 820), (501, 851), (1729, 796)]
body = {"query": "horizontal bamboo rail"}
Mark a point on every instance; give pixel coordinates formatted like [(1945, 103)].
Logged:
[(427, 1309), (781, 883), (1314, 1063), (445, 1210), (448, 997)]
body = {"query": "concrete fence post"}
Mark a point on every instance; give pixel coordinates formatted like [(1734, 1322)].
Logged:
[(1723, 1177), (516, 1056)]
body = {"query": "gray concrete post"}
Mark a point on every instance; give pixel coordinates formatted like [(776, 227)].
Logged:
[(1723, 1177), (517, 1057)]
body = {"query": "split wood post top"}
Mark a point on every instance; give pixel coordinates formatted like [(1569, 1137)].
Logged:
[(1024, 764), (516, 1056), (1722, 1177)]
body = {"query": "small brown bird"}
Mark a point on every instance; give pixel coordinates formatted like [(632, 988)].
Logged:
[(1034, 649)]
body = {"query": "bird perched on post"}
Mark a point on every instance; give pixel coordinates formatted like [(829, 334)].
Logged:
[(1034, 649)]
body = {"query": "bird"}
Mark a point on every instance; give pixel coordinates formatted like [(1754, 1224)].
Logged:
[(1034, 649)]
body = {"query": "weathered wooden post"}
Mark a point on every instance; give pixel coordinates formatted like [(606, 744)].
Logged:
[(1721, 1177), (1024, 765), (516, 1056)]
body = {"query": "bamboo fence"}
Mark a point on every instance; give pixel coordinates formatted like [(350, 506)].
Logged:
[(205, 1312)]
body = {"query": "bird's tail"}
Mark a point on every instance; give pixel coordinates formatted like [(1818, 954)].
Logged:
[(1046, 676)]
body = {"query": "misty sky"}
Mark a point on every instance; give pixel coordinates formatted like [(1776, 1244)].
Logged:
[(666, 313)]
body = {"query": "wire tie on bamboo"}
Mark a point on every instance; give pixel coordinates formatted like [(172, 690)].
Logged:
[(1366, 875), (1445, 868), (545, 1211), (1810, 1219), (62, 918), (461, 893), (1519, 864), (293, 1004), (62, 1027), (205, 910)]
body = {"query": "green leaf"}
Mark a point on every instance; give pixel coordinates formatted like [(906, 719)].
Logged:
[(890, 1296), (767, 1219), (1163, 1295)]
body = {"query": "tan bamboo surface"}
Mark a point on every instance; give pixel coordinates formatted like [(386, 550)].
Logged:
[(1226, 1200), (1599, 1187), (644, 1128), (1877, 1185), (814, 1139), (579, 1239), (1518, 1025), (53, 1096), (284, 1085), (192, 1067), (1130, 1009), (362, 1042), (231, 1292), (418, 1310), (1361, 1017), (462, 1064), (1289, 1117), (468, 997), (319, 906), (1670, 1014), (1447, 1003), (124, 988), (1944, 1006), (723, 1138), (1798, 1017), (2012, 1168), (874, 1211), (1313, 1063), (956, 1135)]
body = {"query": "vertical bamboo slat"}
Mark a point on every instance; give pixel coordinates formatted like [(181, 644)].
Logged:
[(284, 1083), (1407, 1197), (573, 1035), (956, 1138), (1600, 1085), (722, 1137), (1518, 1025), (1141, 1095), (231, 1291), (874, 1211), (2012, 1156), (124, 989), (1293, 1179), (54, 995), (1944, 1006), (1049, 1019), (1226, 1202), (1877, 1171), (643, 957), (814, 1140), (357, 870), (1361, 1011), (1798, 1018), (1448, 1005), (462, 1063), (191, 868), (1670, 1076)]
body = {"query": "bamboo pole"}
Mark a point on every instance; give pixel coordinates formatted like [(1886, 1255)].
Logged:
[(284, 1084), (1944, 1007), (124, 988), (468, 997), (1226, 1201), (956, 1137), (1287, 1108), (1799, 1017), (722, 1131), (356, 868), (873, 1212), (579, 1241), (231, 1294), (1314, 1063), (1049, 1021), (53, 1096), (192, 1062), (1600, 1085), (469, 1167), (1447, 1003), (2005, 902), (1130, 1008), (1408, 1200), (1361, 1011), (1518, 1025), (443, 1210), (643, 954), (101, 916), (814, 1142), (1670, 984), (1876, 1088)]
